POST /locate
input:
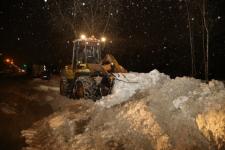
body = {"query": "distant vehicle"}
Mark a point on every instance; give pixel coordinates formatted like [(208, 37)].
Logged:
[(41, 71), (45, 73)]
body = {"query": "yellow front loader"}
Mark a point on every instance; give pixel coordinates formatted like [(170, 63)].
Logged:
[(89, 76)]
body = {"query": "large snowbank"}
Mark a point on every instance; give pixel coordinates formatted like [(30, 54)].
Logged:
[(126, 85), (152, 111)]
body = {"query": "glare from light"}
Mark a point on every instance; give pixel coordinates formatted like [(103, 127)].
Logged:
[(103, 39), (7, 60), (83, 37), (45, 69)]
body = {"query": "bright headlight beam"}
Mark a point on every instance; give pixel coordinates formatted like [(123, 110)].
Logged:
[(83, 37), (103, 39)]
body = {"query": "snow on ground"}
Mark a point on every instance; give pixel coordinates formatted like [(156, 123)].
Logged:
[(126, 85), (152, 111), (24, 101)]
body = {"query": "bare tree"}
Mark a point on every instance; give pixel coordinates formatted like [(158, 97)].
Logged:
[(193, 68), (206, 39), (93, 17), (202, 6)]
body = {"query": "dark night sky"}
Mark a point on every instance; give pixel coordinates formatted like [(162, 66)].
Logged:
[(150, 34)]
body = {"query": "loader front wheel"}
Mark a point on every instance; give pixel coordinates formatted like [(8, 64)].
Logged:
[(86, 87), (64, 87), (78, 90)]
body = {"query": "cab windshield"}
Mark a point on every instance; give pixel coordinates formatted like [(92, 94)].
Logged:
[(87, 53)]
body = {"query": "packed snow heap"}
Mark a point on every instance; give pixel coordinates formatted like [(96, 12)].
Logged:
[(144, 111)]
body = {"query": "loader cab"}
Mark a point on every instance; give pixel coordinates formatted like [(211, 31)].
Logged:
[(86, 51)]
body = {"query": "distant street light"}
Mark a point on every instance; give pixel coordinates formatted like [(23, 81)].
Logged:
[(25, 65), (7, 60)]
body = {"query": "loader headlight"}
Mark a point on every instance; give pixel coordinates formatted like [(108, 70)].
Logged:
[(103, 39), (83, 37)]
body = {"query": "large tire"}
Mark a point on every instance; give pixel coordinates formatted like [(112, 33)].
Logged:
[(106, 85), (87, 88), (78, 90), (65, 87)]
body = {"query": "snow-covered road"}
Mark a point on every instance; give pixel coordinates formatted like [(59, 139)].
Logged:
[(24, 101)]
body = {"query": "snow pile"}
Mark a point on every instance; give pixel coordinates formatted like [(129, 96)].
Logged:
[(179, 101), (144, 121), (152, 111), (212, 125), (57, 130), (126, 85)]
